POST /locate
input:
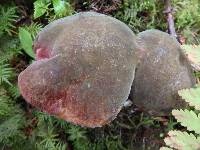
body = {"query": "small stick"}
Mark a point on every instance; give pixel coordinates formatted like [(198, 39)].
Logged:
[(170, 20)]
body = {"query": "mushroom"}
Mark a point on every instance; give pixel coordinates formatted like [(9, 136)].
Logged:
[(84, 69), (162, 71)]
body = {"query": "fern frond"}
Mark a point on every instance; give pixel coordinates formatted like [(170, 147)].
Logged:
[(113, 142), (6, 107), (14, 91), (78, 137), (182, 140), (6, 73), (131, 10), (193, 54), (33, 29), (62, 8), (187, 13), (53, 146), (8, 17), (188, 119), (11, 128), (60, 146), (60, 123), (9, 48), (76, 133), (49, 137), (192, 96), (40, 8), (42, 117)]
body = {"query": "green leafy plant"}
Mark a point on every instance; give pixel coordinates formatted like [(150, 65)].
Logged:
[(9, 48), (182, 140), (78, 137), (193, 54), (14, 91), (60, 8), (33, 29), (11, 123), (26, 41), (131, 11), (5, 107), (187, 19), (188, 118), (49, 139), (10, 129), (6, 73), (40, 8), (26, 36), (8, 16), (187, 13)]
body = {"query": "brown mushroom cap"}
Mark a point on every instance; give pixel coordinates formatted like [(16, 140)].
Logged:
[(163, 71), (84, 69)]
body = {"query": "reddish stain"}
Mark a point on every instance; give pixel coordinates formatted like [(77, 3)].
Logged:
[(42, 53)]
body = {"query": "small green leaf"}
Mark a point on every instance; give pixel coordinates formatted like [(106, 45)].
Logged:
[(193, 54), (26, 42), (33, 29), (40, 8), (192, 96), (59, 6), (188, 119), (62, 8), (182, 141)]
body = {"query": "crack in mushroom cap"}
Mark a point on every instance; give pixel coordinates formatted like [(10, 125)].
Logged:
[(84, 69)]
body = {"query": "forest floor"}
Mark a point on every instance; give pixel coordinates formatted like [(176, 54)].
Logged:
[(132, 129)]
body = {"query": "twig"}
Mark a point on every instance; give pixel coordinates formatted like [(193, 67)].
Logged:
[(170, 20)]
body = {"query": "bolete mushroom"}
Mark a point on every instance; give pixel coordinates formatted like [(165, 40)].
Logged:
[(162, 71), (84, 69)]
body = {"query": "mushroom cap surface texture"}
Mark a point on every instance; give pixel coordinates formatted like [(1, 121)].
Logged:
[(162, 71), (84, 69)]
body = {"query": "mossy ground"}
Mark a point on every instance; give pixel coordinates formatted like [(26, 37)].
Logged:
[(24, 127)]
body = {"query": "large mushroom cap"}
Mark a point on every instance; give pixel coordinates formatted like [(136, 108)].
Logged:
[(84, 69), (163, 71)]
